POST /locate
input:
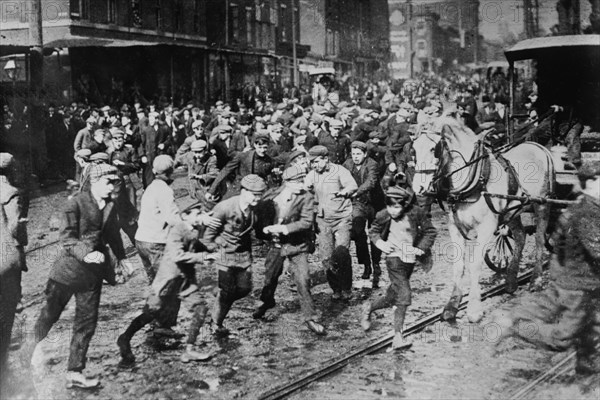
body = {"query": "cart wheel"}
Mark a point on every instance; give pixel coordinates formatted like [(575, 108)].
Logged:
[(501, 254)]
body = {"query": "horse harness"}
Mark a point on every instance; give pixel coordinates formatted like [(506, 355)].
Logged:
[(479, 174)]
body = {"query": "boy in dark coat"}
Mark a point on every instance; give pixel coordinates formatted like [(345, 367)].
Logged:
[(403, 231)]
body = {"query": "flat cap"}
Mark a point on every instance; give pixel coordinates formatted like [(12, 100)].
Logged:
[(397, 192), (90, 120), (219, 103), (294, 174), (197, 122), (317, 151), (589, 170), (300, 139), (261, 138), (105, 108), (316, 118), (198, 145), (6, 160), (335, 123), (281, 106), (117, 133), (296, 154), (99, 171), (162, 164), (403, 112), (99, 157), (254, 183), (357, 144), (83, 153), (222, 129)]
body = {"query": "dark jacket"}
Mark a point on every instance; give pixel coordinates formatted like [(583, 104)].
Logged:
[(298, 219), (243, 164), (366, 178), (422, 229), (232, 241), (361, 131), (339, 148), (130, 159), (575, 264), (86, 228)]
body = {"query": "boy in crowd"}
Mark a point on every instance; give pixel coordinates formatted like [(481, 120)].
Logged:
[(233, 243), (403, 232), (175, 282)]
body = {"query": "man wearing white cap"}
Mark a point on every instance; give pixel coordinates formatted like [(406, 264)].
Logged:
[(202, 171), (198, 134)]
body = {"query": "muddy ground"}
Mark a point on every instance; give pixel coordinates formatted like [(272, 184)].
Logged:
[(444, 362)]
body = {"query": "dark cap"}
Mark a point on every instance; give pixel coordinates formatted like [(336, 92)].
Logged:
[(262, 138), (223, 129), (254, 183), (317, 151), (101, 156), (396, 192), (357, 144), (294, 174)]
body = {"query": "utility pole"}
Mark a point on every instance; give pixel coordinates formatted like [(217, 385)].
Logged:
[(410, 39), (36, 82), (476, 33), (294, 55)]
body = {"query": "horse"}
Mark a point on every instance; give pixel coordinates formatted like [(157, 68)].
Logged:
[(465, 170)]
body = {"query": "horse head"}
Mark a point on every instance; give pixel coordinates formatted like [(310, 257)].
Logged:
[(426, 163)]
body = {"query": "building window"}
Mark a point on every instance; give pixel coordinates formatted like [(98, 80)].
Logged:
[(158, 16), (136, 14), (266, 33), (249, 24), (84, 9), (75, 9), (282, 24), (197, 21), (330, 49), (112, 11), (235, 21)]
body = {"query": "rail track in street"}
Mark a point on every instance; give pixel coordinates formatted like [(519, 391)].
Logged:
[(339, 363)]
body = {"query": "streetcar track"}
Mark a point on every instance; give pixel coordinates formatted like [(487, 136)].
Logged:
[(353, 355)]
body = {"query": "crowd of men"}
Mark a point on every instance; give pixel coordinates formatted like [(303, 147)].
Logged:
[(287, 174)]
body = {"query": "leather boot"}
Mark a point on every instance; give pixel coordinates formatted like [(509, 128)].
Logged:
[(366, 271)]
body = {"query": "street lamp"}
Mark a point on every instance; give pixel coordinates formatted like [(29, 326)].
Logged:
[(11, 69)]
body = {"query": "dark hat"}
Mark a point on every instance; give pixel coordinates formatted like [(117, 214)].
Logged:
[(589, 170), (317, 151), (101, 156), (396, 192), (394, 107), (261, 138), (296, 154), (357, 144), (6, 160), (99, 171), (294, 174), (245, 119), (254, 183)]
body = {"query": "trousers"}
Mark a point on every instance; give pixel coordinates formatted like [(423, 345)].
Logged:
[(334, 242), (150, 253), (84, 324), (234, 283), (300, 269)]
